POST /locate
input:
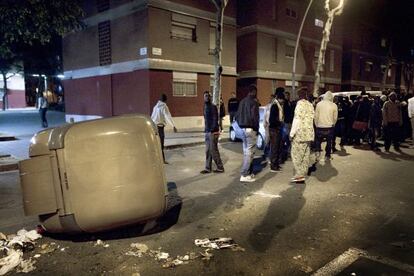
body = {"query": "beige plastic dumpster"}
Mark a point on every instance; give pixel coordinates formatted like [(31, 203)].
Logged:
[(95, 175)]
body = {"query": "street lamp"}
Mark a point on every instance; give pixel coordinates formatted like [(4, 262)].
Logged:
[(296, 49)]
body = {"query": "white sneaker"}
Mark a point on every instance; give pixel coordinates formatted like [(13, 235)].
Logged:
[(248, 178)]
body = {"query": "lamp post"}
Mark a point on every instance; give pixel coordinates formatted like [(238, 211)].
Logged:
[(296, 49)]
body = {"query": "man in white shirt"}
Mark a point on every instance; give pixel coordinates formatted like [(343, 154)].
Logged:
[(411, 115), (326, 115), (160, 116)]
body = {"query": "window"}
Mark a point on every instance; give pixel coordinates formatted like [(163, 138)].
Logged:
[(184, 84), (318, 23), (369, 66), (183, 27), (291, 13), (274, 60), (332, 60), (104, 40), (389, 73), (212, 36), (383, 42), (290, 48)]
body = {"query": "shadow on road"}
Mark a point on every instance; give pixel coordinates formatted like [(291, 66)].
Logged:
[(325, 171), (396, 156), (282, 213), (170, 218)]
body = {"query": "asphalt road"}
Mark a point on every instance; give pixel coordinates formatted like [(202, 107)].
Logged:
[(360, 199)]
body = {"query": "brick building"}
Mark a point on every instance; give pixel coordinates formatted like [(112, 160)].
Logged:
[(266, 40), (366, 48), (133, 50)]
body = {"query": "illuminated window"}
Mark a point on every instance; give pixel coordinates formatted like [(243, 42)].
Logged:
[(369, 65)]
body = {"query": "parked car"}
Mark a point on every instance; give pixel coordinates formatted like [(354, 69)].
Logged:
[(236, 133)]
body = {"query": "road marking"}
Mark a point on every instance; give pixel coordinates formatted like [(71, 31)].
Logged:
[(351, 255), (263, 194)]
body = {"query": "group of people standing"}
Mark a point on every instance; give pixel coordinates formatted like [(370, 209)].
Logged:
[(299, 128)]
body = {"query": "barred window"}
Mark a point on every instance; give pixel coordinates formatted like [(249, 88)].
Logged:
[(290, 48), (184, 84), (104, 34)]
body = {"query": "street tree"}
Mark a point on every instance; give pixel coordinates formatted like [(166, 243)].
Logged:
[(331, 13), (25, 22), (218, 68)]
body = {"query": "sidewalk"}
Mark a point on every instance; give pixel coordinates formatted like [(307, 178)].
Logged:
[(17, 127)]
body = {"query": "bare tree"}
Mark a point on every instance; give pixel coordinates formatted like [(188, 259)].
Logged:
[(218, 68), (325, 39), (387, 66), (408, 74)]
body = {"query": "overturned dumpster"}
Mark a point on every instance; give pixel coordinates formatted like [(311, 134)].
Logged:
[(95, 175)]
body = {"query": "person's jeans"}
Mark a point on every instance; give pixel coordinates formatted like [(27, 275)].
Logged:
[(162, 137), (412, 130), (392, 134), (212, 152), (324, 133), (275, 136), (42, 112), (249, 145)]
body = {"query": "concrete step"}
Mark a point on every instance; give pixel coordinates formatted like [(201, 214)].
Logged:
[(8, 163)]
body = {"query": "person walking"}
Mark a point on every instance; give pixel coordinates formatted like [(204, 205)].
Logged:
[(411, 116), (232, 106), (276, 117), (222, 113), (160, 116), (374, 123), (326, 115), (392, 122), (302, 134), (212, 133), (43, 105), (247, 118)]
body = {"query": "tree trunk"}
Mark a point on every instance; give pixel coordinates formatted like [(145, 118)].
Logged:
[(217, 58), (5, 98), (387, 67), (324, 43)]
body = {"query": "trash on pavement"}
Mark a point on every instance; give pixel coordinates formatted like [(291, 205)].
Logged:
[(26, 266), (12, 260), (14, 245), (139, 249), (297, 257), (218, 243), (206, 255), (162, 256), (101, 243), (47, 248)]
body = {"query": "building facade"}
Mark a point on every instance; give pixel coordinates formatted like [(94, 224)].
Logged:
[(16, 97), (266, 42), (368, 58), (133, 50)]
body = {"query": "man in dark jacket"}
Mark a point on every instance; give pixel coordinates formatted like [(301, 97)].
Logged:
[(212, 133), (276, 117), (232, 106), (375, 122), (247, 118)]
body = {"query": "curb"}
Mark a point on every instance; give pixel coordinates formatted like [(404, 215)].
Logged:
[(7, 138), (8, 163), (188, 145)]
